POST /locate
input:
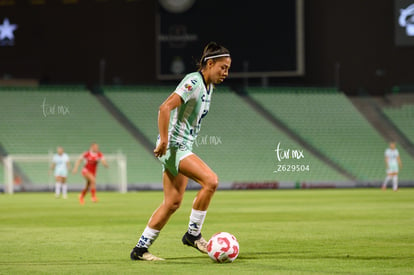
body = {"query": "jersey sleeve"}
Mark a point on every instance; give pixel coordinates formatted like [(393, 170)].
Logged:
[(186, 88)]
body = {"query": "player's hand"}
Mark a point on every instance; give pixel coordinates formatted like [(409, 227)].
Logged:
[(160, 150)]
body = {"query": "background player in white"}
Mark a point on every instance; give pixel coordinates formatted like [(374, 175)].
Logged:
[(392, 164), (179, 121), (60, 165)]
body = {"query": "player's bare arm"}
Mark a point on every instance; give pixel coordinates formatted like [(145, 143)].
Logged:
[(104, 163), (172, 102), (52, 167), (77, 163)]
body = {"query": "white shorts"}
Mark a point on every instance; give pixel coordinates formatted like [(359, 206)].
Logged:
[(171, 160), (61, 173), (392, 168)]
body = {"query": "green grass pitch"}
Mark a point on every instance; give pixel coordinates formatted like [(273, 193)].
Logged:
[(355, 231)]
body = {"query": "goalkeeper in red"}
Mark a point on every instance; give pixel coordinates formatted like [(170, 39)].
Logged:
[(179, 121)]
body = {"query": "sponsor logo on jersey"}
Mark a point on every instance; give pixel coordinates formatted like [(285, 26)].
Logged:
[(188, 87)]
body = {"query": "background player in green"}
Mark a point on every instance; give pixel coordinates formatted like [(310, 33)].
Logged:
[(179, 122)]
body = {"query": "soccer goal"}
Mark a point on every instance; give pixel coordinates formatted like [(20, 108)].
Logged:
[(31, 172)]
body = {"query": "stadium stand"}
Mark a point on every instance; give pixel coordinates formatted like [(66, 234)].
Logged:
[(36, 120), (403, 119), (140, 105), (1, 173), (235, 141), (329, 122)]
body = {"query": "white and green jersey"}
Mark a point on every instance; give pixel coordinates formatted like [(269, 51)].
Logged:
[(392, 157), (60, 161), (185, 121)]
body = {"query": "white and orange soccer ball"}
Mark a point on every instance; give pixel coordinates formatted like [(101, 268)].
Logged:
[(223, 247)]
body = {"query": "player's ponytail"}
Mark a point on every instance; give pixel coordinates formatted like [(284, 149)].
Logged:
[(212, 51)]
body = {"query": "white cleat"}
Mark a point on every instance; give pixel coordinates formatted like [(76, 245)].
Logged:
[(141, 253), (198, 242), (149, 257), (201, 245)]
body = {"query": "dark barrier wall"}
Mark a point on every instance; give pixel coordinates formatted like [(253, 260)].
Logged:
[(58, 42), (347, 43), (359, 37)]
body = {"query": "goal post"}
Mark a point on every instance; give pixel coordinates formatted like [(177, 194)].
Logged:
[(35, 167)]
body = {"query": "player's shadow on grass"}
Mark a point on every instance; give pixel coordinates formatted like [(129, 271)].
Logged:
[(186, 258), (286, 255), (261, 255), (311, 255), (257, 255)]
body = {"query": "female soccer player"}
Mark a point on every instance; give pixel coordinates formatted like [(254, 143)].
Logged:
[(179, 121), (392, 164), (60, 165), (91, 158)]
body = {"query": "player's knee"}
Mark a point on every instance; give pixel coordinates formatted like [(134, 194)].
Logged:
[(212, 182), (172, 206)]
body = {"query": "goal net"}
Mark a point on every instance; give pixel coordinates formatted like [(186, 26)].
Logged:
[(31, 172)]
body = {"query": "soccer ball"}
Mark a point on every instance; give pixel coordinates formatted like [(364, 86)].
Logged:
[(223, 247)]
